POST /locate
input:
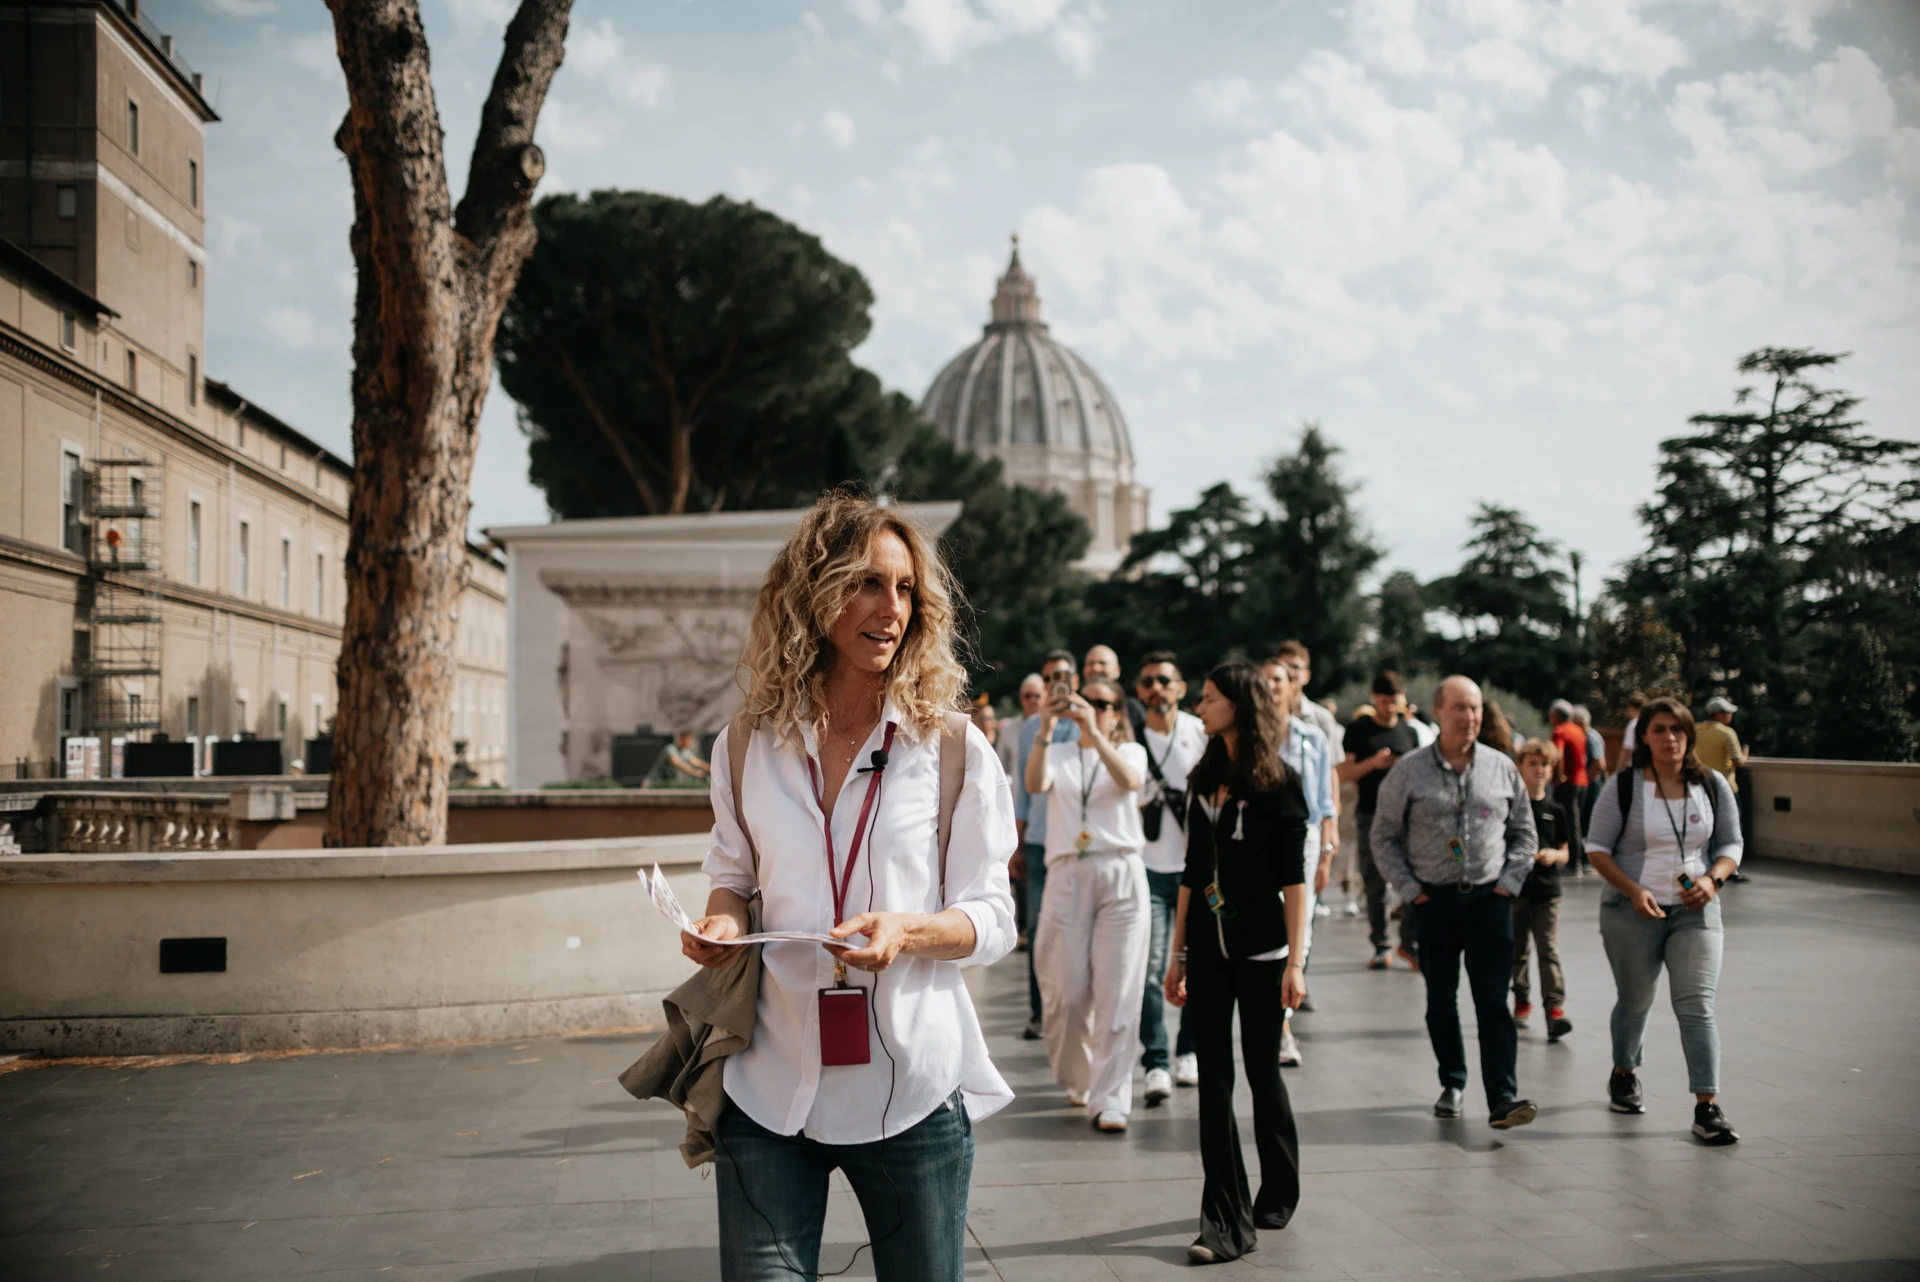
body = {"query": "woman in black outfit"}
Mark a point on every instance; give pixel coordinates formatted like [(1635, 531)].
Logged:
[(1246, 828)]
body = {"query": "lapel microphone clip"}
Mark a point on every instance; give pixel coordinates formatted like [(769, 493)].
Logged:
[(879, 765)]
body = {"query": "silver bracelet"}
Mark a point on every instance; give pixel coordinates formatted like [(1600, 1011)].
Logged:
[(1178, 954)]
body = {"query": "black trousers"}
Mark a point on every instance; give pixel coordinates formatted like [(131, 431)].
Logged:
[(1228, 1215), (1573, 800), (1476, 927)]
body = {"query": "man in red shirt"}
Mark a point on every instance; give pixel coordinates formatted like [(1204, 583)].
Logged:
[(1570, 787)]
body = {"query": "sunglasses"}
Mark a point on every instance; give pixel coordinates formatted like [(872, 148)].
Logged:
[(1158, 680), (1102, 705)]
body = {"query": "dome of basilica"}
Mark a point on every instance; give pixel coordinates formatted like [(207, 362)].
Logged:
[(1020, 396)]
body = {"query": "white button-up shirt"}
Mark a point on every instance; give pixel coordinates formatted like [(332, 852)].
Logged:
[(926, 1037)]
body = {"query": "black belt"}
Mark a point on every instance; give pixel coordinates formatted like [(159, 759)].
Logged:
[(1462, 887)]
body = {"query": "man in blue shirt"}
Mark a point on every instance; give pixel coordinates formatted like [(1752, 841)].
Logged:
[(1030, 817)]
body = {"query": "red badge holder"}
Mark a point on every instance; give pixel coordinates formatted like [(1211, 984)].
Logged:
[(844, 1026)]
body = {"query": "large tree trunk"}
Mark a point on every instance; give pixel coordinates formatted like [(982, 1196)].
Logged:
[(432, 283)]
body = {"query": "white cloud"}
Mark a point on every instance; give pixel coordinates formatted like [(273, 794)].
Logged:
[(839, 128), (1227, 99), (925, 175), (482, 17), (233, 233), (293, 327), (1792, 22), (240, 8), (946, 31), (564, 127), (316, 52), (1749, 127), (600, 54)]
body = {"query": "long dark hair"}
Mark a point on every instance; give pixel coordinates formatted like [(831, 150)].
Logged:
[(1495, 730), (1690, 768), (1255, 768)]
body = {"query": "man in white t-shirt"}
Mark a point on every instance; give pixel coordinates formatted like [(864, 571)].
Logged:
[(1175, 741)]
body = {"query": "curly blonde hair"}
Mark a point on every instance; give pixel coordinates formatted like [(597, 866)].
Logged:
[(784, 667)]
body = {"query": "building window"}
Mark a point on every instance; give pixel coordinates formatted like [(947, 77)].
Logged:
[(136, 704), (193, 715), (193, 544), (193, 274), (319, 726), (319, 586), (193, 379), (246, 556), (283, 456), (240, 713), (193, 183), (69, 330), (286, 573), (69, 711), (280, 719), (66, 202), (133, 372), (133, 126), (71, 478)]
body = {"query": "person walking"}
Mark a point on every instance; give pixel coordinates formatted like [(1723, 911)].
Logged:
[(1453, 831), (1596, 762), (1536, 909), (1059, 679), (1306, 753), (1719, 748), (1636, 701), (850, 656), (1570, 788), (1666, 837), (1243, 902), (1373, 741), (1090, 951), (1174, 741)]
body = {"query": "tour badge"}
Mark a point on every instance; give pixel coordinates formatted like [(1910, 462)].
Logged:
[(1083, 843), (843, 1027)]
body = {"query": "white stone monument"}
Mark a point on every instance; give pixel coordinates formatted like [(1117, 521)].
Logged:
[(633, 622)]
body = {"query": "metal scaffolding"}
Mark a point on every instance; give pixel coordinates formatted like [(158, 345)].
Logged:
[(124, 563)]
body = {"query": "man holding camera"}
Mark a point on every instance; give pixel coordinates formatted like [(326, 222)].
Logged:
[(1175, 741)]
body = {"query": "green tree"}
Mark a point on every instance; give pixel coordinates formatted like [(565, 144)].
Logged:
[(672, 357), (1308, 559), (1402, 639), (1180, 587), (1508, 602), (1861, 714), (1763, 520), (1633, 649)]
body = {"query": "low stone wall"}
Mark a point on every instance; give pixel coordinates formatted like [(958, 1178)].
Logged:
[(1847, 814), (336, 948)]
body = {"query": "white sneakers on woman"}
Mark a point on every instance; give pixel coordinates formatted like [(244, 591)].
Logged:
[(1186, 1070), (1159, 1086), (1112, 1122), (1077, 1098)]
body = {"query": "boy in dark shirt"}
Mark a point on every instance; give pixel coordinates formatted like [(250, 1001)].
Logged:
[(1536, 910)]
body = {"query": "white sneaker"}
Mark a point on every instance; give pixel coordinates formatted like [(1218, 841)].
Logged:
[(1159, 1086), (1077, 1098), (1353, 908), (1289, 1048), (1323, 910), (1111, 1122), (1186, 1070)]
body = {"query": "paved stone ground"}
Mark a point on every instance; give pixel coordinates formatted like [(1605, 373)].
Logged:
[(524, 1160)]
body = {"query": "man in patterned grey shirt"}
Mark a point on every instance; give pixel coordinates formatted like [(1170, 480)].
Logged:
[(1453, 832)]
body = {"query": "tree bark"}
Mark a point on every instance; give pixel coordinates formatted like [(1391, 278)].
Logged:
[(433, 281)]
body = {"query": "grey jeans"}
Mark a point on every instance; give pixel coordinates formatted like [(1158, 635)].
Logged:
[(1688, 942)]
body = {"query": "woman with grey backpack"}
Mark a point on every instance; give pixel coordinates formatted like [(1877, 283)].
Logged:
[(1666, 837)]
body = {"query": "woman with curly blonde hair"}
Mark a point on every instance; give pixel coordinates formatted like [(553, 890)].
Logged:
[(865, 1057)]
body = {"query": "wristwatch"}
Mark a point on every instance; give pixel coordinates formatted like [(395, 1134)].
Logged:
[(1719, 883)]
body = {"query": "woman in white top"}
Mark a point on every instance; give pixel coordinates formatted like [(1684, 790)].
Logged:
[(1090, 954), (1666, 836), (850, 662)]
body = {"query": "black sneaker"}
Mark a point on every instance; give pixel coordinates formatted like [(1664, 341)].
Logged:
[(1710, 1125), (1032, 1032), (1623, 1093), (1515, 1112), (1558, 1025)]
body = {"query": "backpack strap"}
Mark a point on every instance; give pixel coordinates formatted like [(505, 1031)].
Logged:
[(739, 735), (953, 777), (1626, 778)]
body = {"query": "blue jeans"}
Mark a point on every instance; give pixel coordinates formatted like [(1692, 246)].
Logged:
[(1036, 891), (1163, 894), (912, 1189), (1688, 942)]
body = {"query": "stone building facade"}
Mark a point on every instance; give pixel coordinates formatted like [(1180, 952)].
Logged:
[(170, 552)]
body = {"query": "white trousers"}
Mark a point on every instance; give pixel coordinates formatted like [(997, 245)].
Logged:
[(1091, 961)]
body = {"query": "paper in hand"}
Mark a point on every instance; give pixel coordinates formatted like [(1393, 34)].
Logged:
[(669, 905)]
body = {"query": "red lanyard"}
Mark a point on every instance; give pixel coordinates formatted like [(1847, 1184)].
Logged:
[(840, 887)]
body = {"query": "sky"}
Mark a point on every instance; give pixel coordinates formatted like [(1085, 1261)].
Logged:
[(1497, 249)]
